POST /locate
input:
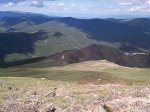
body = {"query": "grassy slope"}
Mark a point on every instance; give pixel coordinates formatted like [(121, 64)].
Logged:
[(22, 26), (70, 38), (99, 72), (25, 81), (16, 57)]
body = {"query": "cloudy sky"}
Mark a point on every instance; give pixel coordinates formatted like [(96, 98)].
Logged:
[(79, 8)]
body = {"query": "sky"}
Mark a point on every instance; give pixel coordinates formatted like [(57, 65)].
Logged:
[(80, 8)]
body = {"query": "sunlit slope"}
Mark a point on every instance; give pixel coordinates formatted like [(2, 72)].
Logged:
[(20, 27), (85, 72), (88, 66), (105, 71)]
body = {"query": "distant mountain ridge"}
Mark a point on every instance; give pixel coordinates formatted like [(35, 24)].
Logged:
[(128, 35), (20, 14), (100, 52), (92, 52)]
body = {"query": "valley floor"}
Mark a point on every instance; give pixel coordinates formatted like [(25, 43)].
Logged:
[(93, 86)]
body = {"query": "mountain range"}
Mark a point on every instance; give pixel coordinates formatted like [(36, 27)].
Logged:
[(27, 36)]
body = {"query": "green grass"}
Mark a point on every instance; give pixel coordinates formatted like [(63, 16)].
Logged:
[(22, 26), (111, 75), (131, 75), (24, 86), (61, 101), (44, 80), (59, 75), (16, 57)]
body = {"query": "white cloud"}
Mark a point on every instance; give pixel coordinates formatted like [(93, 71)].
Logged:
[(37, 3), (135, 9), (142, 6), (148, 2), (79, 6), (124, 3), (10, 4), (61, 4), (68, 7), (73, 4)]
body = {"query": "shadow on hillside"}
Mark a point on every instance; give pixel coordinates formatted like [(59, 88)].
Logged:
[(22, 43), (100, 29)]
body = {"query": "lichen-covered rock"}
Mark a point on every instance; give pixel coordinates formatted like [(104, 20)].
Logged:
[(129, 105), (51, 108), (74, 109), (95, 107)]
